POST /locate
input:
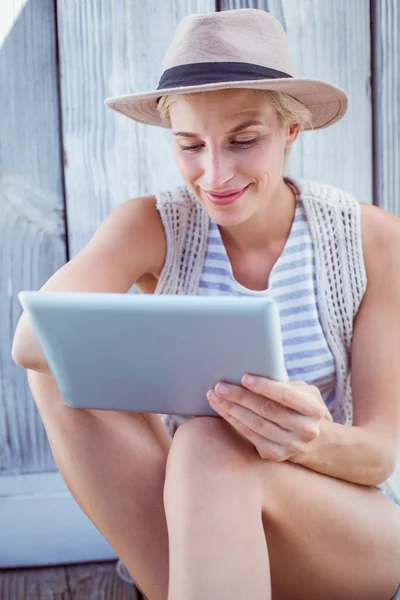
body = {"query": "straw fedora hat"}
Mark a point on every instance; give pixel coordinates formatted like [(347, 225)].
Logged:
[(242, 48)]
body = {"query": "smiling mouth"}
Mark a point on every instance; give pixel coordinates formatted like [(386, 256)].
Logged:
[(225, 198)]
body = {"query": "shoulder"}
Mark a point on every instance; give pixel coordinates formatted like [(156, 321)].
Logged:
[(144, 224), (380, 234), (138, 214), (143, 207), (135, 228), (377, 223)]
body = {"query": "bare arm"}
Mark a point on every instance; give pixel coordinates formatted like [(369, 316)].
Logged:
[(128, 246), (366, 453)]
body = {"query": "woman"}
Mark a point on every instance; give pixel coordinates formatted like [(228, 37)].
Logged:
[(278, 498)]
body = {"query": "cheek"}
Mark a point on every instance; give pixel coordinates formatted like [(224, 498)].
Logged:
[(256, 162), (189, 166), (265, 159)]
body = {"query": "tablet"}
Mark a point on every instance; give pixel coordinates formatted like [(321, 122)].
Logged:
[(153, 353)]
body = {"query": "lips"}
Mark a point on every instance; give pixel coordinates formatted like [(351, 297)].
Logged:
[(225, 198)]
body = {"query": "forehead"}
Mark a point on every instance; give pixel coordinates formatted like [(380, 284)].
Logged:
[(225, 106)]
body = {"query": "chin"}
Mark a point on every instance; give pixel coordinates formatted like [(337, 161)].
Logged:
[(226, 218)]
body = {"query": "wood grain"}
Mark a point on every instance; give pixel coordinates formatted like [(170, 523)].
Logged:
[(92, 581), (108, 49), (330, 41), (387, 104), (32, 242), (34, 584), (98, 582)]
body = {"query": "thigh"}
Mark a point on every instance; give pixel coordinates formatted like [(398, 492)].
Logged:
[(328, 538), (92, 447), (59, 418), (162, 428), (114, 466)]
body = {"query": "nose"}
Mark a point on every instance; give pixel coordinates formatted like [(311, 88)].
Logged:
[(218, 170)]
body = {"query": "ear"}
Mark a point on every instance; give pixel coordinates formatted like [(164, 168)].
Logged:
[(292, 131)]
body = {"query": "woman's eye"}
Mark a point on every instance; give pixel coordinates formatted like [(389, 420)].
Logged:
[(245, 143), (190, 148), (238, 143)]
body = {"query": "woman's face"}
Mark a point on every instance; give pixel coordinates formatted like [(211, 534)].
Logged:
[(229, 147)]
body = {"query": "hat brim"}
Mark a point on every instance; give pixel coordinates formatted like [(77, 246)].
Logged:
[(326, 102)]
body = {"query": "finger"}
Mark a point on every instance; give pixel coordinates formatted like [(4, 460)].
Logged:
[(305, 427), (267, 449), (267, 429), (316, 392), (290, 396)]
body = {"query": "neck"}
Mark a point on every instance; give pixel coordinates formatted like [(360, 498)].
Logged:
[(270, 225)]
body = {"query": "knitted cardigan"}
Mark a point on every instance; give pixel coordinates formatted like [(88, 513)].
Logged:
[(335, 226)]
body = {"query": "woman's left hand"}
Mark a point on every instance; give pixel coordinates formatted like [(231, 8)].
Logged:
[(278, 418)]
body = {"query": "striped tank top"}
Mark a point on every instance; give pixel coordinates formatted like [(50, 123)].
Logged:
[(292, 284)]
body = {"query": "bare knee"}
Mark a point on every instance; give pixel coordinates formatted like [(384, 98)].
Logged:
[(209, 442), (207, 456)]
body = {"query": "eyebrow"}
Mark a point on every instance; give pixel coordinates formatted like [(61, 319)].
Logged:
[(239, 127)]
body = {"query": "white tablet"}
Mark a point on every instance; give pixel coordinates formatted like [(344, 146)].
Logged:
[(155, 354)]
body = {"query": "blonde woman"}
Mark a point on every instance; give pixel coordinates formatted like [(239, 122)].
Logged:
[(288, 494)]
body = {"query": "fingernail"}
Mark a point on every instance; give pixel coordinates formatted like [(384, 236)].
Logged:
[(212, 396), (249, 379), (222, 389)]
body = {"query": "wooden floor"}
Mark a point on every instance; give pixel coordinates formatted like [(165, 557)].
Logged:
[(92, 581)]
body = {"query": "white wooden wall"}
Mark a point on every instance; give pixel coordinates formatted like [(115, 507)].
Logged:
[(386, 74), (32, 226), (66, 161)]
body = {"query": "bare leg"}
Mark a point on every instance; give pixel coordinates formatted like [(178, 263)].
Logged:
[(225, 505), (328, 538), (114, 465), (213, 502)]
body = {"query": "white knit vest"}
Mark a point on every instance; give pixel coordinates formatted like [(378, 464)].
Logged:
[(335, 225)]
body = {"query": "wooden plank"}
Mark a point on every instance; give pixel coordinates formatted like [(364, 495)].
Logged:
[(31, 209), (386, 65), (110, 48), (98, 582), (92, 581), (34, 584), (331, 41)]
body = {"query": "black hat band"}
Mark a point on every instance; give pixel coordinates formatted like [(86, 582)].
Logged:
[(216, 72)]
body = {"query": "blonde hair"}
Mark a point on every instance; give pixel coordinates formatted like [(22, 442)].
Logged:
[(288, 109)]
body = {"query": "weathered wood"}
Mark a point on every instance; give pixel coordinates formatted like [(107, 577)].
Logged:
[(386, 64), (31, 209), (92, 581), (110, 48), (98, 582), (34, 584), (330, 41)]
